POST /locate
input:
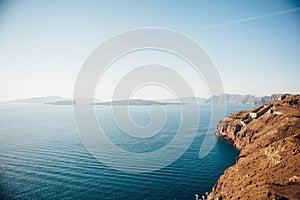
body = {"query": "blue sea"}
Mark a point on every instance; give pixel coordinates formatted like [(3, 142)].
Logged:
[(42, 157)]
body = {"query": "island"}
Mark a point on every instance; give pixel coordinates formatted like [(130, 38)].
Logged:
[(40, 100), (136, 102), (242, 99)]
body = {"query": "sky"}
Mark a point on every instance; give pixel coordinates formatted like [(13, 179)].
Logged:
[(255, 45)]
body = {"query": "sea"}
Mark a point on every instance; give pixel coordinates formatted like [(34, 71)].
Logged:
[(43, 157)]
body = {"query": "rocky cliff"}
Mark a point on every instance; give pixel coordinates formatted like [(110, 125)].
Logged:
[(268, 166)]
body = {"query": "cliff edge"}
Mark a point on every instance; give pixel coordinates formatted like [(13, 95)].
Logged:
[(268, 166)]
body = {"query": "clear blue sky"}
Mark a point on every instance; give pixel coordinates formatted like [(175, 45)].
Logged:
[(44, 43)]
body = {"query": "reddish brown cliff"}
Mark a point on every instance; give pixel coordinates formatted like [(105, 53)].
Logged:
[(268, 166)]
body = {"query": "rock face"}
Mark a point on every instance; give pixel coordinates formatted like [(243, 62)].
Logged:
[(268, 166)]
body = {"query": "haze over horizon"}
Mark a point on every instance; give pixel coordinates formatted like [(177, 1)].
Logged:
[(254, 45), (62, 99)]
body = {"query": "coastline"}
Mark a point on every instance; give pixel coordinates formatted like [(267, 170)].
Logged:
[(268, 138)]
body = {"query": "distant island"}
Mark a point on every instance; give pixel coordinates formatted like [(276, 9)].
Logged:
[(67, 102), (228, 98), (136, 102), (51, 100), (242, 99), (47, 99)]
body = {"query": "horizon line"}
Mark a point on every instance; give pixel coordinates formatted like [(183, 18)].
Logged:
[(68, 98)]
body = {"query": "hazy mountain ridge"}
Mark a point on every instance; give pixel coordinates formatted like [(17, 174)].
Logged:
[(68, 102), (53, 100), (229, 98), (47, 99), (242, 99), (136, 102), (57, 100), (73, 102)]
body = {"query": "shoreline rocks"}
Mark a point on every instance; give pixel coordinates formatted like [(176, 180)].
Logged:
[(268, 166)]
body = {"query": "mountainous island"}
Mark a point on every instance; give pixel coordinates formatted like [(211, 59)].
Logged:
[(65, 102), (268, 166), (228, 98), (39, 100), (242, 99), (135, 102)]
